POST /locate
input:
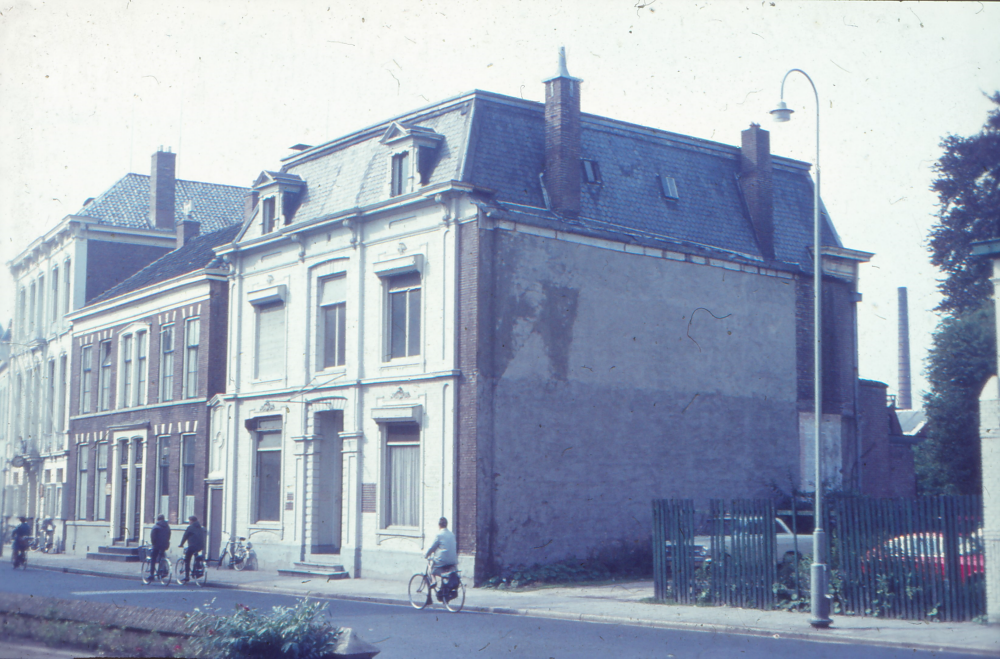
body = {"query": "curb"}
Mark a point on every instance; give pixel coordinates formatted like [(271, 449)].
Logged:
[(712, 628)]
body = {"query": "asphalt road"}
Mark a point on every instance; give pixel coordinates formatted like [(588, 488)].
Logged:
[(403, 632)]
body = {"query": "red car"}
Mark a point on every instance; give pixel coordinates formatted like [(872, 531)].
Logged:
[(926, 551)]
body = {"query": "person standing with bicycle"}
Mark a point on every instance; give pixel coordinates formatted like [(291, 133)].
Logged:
[(159, 538), (19, 541), (445, 551), (194, 536)]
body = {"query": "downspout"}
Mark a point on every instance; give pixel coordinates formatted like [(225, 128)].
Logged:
[(236, 333)]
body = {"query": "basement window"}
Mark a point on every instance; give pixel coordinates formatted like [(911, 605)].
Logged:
[(591, 172), (669, 187)]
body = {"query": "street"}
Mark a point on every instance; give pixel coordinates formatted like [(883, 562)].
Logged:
[(404, 632)]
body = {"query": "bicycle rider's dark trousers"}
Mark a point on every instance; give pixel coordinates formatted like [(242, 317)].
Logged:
[(154, 561), (188, 553)]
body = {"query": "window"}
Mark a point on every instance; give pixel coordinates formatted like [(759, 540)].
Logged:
[(126, 372), (167, 363), (18, 416), (270, 348), (63, 381), (669, 187), (85, 369), (22, 317), (400, 174), (187, 476), (333, 317), (404, 315), (31, 312), (268, 473), (591, 172), (191, 332), (101, 495), (55, 296), (81, 482), (163, 476), (104, 377), (268, 206), (41, 304), (140, 368), (66, 286), (50, 399), (402, 463)]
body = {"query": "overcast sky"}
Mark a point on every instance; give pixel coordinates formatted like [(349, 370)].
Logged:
[(88, 90)]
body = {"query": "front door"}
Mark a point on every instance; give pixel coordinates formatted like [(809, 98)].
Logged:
[(214, 522), (328, 474)]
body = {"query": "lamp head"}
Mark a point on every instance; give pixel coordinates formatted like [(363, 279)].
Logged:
[(782, 112)]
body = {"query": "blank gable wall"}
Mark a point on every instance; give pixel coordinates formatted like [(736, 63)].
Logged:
[(109, 264), (622, 378)]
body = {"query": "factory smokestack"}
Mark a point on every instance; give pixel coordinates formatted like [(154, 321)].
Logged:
[(903, 401)]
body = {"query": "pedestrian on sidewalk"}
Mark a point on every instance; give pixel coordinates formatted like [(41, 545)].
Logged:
[(159, 537), (194, 536)]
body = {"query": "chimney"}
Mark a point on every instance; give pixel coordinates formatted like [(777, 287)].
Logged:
[(756, 184), (249, 203), (161, 190), (562, 140), (903, 401)]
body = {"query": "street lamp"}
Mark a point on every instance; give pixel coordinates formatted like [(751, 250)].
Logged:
[(819, 600)]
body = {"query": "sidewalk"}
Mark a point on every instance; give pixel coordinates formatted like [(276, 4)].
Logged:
[(615, 604)]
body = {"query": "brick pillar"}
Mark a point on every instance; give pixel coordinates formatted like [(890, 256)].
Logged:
[(562, 140)]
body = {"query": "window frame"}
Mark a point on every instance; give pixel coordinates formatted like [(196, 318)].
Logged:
[(281, 364), (191, 326), (168, 344), (101, 497), (83, 457), (55, 297), (267, 427), (126, 344), (162, 485), (399, 174), (104, 376), (141, 367), (396, 288), (338, 358), (389, 485), (86, 368), (269, 213), (188, 481)]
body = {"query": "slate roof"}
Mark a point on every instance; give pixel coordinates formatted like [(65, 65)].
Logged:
[(195, 255), (126, 203), (497, 142)]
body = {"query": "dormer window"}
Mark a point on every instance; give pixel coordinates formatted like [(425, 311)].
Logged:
[(400, 174), (280, 194), (267, 209), (591, 172)]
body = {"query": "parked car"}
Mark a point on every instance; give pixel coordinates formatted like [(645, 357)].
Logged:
[(926, 552), (785, 546)]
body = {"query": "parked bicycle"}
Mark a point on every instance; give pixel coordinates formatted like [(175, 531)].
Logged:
[(450, 590), (199, 569), (239, 554), (162, 575)]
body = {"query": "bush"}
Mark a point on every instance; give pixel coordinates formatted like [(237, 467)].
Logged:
[(298, 632)]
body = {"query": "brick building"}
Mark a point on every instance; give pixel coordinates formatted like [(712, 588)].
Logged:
[(109, 239), (529, 320), (151, 352)]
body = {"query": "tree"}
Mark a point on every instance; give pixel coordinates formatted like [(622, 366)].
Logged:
[(968, 188), (962, 358), (964, 351)]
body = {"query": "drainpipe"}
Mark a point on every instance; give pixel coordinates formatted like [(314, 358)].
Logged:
[(236, 333)]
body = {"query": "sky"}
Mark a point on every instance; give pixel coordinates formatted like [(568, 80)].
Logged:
[(88, 91)]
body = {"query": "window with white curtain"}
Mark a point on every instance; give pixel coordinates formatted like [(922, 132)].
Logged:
[(101, 495), (86, 366), (126, 372), (167, 363), (402, 477), (187, 476), (140, 368), (104, 378), (269, 359), (333, 323), (192, 329)]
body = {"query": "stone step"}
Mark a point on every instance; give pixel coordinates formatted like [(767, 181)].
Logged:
[(123, 551), (315, 570), (117, 558)]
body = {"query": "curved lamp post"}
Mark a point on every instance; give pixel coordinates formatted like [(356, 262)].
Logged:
[(819, 599)]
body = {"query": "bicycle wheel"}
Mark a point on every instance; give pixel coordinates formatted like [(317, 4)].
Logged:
[(179, 574), (200, 570), (420, 591), (239, 560), (144, 571), (163, 571), (456, 603)]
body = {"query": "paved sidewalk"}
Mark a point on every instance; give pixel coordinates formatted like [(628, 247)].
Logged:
[(616, 604)]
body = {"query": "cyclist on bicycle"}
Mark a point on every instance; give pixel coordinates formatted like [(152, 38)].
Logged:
[(445, 551), (19, 542), (194, 536), (159, 537)]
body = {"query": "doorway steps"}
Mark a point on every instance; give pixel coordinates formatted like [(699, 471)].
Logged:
[(315, 571), (115, 553)]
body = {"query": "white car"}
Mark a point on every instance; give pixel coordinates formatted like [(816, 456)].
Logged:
[(784, 547)]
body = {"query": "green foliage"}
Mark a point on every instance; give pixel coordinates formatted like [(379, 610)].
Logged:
[(298, 632), (620, 559), (968, 188), (962, 358)]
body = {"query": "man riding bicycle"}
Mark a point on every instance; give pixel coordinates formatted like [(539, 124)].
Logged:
[(445, 551), (159, 538), (194, 536), (19, 541)]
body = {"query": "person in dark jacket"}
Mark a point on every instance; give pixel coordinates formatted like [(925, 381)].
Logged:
[(194, 536), (19, 541), (159, 537)]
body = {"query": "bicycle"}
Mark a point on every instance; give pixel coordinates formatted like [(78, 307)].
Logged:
[(19, 555), (424, 585), (162, 575), (199, 569), (238, 554)]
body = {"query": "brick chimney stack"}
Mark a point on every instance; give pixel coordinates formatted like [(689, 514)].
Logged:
[(756, 181), (161, 190), (904, 401), (562, 140)]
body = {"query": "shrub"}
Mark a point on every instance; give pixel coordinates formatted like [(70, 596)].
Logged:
[(298, 632)]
